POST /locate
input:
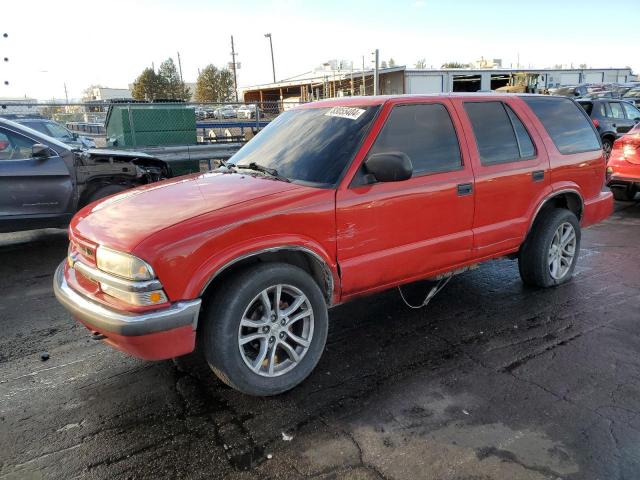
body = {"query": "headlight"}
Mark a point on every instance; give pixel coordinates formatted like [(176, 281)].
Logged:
[(123, 265)]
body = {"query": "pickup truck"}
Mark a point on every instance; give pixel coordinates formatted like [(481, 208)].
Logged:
[(333, 200), (43, 181)]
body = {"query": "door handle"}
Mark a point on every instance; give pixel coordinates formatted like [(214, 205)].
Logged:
[(537, 175), (465, 189)]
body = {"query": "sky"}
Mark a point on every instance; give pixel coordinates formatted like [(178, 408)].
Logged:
[(84, 42)]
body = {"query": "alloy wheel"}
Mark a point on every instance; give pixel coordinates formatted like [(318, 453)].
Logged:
[(276, 330), (562, 250)]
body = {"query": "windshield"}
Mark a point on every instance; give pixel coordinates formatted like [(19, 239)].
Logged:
[(58, 131), (27, 129), (312, 145)]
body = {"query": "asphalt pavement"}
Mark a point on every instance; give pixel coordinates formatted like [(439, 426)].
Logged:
[(493, 380)]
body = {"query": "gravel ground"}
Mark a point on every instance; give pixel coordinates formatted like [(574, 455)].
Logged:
[(492, 381)]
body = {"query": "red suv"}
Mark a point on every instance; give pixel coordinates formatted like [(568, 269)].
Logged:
[(333, 200)]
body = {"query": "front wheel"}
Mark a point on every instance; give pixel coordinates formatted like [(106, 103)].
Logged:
[(549, 255), (265, 329)]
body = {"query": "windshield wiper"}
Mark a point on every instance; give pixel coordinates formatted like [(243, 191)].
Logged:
[(228, 166), (261, 168)]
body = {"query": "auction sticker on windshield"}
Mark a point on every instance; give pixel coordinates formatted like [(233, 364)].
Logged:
[(345, 112)]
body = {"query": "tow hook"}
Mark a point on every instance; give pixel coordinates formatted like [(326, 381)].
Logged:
[(97, 336)]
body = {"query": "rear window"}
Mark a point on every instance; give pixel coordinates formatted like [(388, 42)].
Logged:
[(568, 126), (500, 135)]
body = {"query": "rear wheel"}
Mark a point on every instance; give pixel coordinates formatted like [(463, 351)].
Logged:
[(265, 329), (549, 255), (624, 194)]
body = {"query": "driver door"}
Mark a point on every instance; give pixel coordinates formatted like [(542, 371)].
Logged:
[(31, 187), (400, 231)]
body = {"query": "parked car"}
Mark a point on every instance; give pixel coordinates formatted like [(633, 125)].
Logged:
[(55, 130), (332, 201), (632, 96), (612, 119), (571, 90), (201, 113), (623, 167), (248, 111), (602, 94), (43, 181), (225, 112)]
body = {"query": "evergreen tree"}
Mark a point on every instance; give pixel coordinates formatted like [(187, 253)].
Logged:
[(214, 85)]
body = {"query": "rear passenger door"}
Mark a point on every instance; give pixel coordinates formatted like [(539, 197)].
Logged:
[(620, 123), (633, 114), (511, 170), (392, 232)]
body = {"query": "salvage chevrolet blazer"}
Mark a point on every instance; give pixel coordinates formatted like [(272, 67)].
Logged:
[(333, 200)]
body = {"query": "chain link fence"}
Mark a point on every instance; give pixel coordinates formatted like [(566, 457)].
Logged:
[(134, 124)]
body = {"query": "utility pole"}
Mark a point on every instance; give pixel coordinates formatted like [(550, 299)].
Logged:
[(233, 65), (375, 72), (180, 67), (363, 89), (273, 65), (352, 78), (66, 96)]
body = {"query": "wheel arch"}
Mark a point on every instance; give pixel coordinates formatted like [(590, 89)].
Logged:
[(568, 198), (305, 258)]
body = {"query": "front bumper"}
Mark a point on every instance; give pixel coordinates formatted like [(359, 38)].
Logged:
[(156, 335)]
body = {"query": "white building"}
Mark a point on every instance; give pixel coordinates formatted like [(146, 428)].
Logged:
[(329, 82), (104, 93)]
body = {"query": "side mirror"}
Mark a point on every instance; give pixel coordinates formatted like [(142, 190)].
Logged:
[(389, 166), (39, 150)]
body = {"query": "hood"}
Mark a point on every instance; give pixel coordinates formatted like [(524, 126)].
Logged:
[(123, 220)]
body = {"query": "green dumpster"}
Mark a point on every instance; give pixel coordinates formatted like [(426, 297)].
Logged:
[(140, 125)]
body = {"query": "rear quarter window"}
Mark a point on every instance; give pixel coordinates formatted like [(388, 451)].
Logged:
[(569, 128)]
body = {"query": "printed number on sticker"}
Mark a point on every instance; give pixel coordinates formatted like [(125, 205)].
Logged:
[(345, 112)]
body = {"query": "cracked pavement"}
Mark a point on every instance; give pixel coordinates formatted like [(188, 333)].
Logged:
[(492, 380)]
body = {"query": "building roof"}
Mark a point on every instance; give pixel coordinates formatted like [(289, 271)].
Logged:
[(319, 76)]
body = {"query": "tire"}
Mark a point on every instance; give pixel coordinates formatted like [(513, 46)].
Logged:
[(607, 146), (535, 260), (105, 191), (624, 194), (246, 366)]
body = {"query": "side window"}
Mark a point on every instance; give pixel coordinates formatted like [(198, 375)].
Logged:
[(14, 146), (425, 133), (632, 112), (567, 124), (616, 110), (525, 144), (603, 109), (500, 135)]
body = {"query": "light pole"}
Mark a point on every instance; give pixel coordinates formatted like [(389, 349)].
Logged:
[(273, 65)]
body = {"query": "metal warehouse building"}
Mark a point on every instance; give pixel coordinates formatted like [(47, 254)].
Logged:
[(400, 80)]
